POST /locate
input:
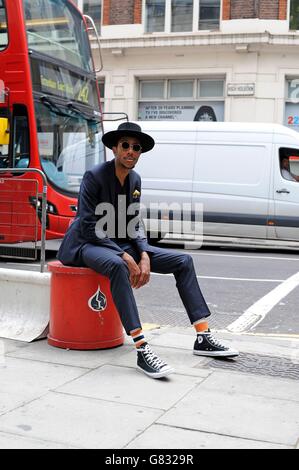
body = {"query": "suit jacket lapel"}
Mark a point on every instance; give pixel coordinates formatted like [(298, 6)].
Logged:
[(111, 182)]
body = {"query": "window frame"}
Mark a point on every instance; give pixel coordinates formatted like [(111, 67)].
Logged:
[(196, 86), (289, 17), (81, 3), (205, 100), (168, 15)]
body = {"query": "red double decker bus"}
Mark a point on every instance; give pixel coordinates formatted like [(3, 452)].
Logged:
[(49, 101)]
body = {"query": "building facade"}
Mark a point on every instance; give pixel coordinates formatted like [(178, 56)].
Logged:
[(224, 60)]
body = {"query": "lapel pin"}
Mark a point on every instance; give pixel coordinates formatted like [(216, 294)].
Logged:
[(136, 193)]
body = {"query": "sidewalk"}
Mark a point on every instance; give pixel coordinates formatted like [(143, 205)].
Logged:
[(56, 398)]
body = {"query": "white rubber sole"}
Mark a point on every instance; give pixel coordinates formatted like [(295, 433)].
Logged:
[(158, 375), (216, 353)]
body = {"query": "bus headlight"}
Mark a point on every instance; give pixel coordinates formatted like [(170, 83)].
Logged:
[(37, 203)]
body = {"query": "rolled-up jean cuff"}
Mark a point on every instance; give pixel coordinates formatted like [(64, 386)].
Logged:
[(132, 328), (198, 316)]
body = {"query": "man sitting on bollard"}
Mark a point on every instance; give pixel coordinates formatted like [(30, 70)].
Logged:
[(119, 249)]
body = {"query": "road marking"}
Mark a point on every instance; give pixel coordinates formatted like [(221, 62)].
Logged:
[(258, 311), (227, 278), (245, 256)]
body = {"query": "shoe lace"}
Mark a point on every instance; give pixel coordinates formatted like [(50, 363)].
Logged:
[(152, 358), (214, 340)]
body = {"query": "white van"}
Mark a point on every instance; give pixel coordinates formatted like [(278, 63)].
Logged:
[(233, 169)]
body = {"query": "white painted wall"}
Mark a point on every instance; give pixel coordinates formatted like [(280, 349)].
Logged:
[(262, 52)]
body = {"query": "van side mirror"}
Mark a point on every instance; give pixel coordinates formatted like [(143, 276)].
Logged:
[(4, 131)]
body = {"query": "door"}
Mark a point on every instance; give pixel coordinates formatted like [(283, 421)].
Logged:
[(286, 193)]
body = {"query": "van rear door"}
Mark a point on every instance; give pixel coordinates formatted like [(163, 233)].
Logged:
[(286, 192)]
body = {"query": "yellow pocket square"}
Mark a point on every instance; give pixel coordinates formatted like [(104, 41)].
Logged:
[(136, 193)]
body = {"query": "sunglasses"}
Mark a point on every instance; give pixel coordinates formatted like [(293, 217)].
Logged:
[(135, 147)]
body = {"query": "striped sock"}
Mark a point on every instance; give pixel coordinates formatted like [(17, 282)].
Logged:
[(201, 326), (138, 337)]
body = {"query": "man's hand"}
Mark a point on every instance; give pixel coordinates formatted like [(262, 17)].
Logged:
[(134, 269), (145, 270)]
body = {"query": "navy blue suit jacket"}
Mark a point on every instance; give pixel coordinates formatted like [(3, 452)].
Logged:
[(98, 186)]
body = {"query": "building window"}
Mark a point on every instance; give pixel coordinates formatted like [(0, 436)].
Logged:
[(190, 99), (292, 103), (93, 8), (209, 14), (294, 14), (155, 15), (101, 85), (181, 15)]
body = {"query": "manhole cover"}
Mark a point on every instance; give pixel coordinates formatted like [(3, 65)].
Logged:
[(257, 364)]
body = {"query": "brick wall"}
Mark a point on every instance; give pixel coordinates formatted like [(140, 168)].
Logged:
[(130, 11), (263, 9), (118, 12), (121, 12), (240, 9), (138, 12), (106, 12), (283, 6), (226, 9), (268, 9)]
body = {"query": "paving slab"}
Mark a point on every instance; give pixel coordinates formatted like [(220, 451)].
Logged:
[(246, 344), (8, 345), (23, 381), (14, 441), (128, 385), (234, 383), (42, 351), (236, 414), (79, 421), (179, 340), (165, 437)]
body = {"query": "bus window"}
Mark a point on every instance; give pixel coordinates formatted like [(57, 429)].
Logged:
[(3, 27), (56, 28), (69, 144), (3, 156), (20, 155)]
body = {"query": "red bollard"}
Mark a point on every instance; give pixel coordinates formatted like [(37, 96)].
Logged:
[(82, 311)]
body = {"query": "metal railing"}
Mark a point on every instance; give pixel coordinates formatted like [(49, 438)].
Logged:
[(39, 196)]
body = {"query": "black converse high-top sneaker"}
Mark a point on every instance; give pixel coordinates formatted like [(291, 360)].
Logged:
[(207, 345), (151, 364)]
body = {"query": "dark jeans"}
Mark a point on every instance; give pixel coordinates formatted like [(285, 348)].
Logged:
[(106, 262)]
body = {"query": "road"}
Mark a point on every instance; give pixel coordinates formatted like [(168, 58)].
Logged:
[(246, 290)]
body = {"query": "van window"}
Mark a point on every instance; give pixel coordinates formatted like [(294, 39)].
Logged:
[(3, 156), (289, 163)]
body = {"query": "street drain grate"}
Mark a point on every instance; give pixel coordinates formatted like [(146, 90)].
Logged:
[(257, 364)]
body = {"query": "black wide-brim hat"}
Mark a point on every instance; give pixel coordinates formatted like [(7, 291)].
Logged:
[(128, 129)]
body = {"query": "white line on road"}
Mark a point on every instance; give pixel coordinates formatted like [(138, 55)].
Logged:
[(227, 278), (244, 256), (258, 311)]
